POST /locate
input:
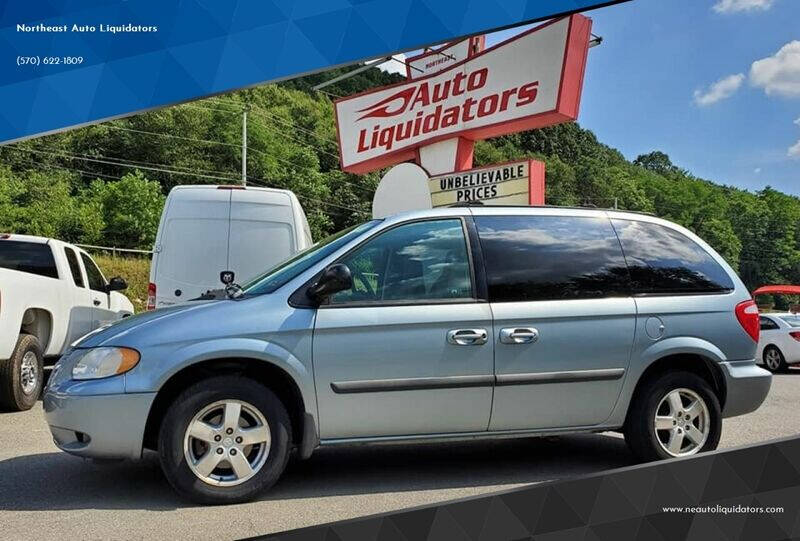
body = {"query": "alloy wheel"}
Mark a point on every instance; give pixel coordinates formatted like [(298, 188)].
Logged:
[(682, 422), (29, 372), (227, 443), (773, 359)]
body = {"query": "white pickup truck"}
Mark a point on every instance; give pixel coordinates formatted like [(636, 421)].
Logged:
[(51, 294)]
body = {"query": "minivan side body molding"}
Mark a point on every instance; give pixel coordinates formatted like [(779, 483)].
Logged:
[(450, 382)]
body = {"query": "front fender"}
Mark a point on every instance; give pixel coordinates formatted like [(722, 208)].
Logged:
[(150, 380)]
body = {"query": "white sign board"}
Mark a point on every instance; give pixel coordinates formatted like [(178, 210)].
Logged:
[(515, 183), (404, 187), (531, 80), (443, 57)]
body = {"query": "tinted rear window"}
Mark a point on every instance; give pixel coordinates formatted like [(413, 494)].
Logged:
[(531, 258), (664, 261), (74, 268), (793, 321), (29, 257)]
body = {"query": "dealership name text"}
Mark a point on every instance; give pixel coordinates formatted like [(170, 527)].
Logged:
[(86, 28), (429, 119)]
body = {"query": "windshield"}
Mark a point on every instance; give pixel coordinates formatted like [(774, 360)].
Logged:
[(794, 321), (278, 276)]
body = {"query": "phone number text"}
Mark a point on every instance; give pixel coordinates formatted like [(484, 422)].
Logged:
[(49, 60)]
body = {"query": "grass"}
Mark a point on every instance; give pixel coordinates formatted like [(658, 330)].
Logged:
[(135, 271)]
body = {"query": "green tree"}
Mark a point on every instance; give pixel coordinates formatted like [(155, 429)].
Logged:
[(131, 209)]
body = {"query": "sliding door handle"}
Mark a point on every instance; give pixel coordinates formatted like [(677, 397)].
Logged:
[(518, 335), (467, 337)]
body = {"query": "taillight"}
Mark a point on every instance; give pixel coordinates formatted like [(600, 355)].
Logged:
[(795, 335), (151, 296), (747, 314)]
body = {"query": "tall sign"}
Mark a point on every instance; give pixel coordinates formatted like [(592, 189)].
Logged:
[(530, 81)]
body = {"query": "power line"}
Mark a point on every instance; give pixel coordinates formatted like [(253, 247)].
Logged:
[(80, 171), (311, 199), (134, 166), (197, 106), (160, 169), (206, 141), (233, 145), (293, 125)]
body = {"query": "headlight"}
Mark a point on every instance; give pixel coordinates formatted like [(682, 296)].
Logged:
[(96, 363)]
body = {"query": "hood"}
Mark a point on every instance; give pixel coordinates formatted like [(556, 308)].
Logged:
[(110, 334)]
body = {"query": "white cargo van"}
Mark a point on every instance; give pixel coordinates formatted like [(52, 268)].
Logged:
[(206, 230)]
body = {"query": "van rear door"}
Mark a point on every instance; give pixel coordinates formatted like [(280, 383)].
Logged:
[(262, 232), (193, 245)]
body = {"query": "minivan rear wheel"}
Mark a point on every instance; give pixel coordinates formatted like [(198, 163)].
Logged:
[(224, 440), (673, 415)]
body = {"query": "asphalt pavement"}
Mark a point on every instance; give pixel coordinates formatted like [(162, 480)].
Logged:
[(47, 494)]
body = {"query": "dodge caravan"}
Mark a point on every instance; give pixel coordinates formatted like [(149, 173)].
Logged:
[(454, 323)]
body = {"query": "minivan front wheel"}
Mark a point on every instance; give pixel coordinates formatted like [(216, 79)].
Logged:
[(673, 415), (224, 440)]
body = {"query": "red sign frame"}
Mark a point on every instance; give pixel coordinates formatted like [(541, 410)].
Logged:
[(567, 102)]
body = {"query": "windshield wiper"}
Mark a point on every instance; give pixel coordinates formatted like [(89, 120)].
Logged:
[(234, 291)]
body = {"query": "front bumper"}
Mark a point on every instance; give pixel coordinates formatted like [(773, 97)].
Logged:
[(97, 425), (746, 387)]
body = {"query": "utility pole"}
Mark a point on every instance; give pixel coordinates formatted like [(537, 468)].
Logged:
[(244, 144)]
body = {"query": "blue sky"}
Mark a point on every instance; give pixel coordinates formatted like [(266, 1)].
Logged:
[(651, 86)]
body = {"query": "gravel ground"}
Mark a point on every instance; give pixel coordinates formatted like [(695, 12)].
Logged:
[(47, 494)]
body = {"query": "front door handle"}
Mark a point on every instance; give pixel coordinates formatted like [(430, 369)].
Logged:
[(519, 335), (467, 337), (96, 302)]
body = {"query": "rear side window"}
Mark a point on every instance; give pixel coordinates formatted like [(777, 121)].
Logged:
[(31, 257), (74, 267), (664, 261), (96, 281), (767, 324), (534, 258), (793, 321)]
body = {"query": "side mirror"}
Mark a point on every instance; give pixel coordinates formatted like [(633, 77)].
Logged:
[(333, 279), (116, 284)]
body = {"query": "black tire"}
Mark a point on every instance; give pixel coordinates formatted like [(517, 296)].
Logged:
[(640, 431), (782, 366), (192, 401), (12, 393)]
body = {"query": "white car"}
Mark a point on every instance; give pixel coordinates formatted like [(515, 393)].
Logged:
[(51, 294), (779, 345)]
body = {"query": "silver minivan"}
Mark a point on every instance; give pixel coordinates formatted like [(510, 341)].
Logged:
[(453, 323)]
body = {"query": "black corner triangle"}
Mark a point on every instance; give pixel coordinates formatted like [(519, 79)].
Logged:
[(723, 482), (471, 515), (778, 472), (612, 504), (557, 514), (581, 495), (415, 524), (501, 523)]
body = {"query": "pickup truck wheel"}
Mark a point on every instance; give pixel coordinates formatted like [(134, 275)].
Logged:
[(673, 415), (224, 440), (22, 375)]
